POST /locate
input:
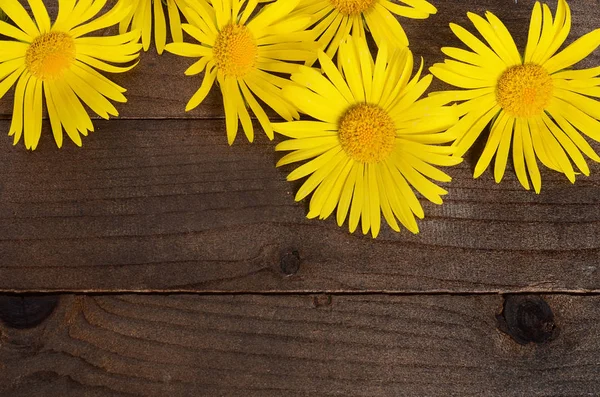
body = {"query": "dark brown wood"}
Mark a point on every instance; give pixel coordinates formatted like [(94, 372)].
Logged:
[(170, 206), (297, 346), (157, 87), (22, 312), (158, 202), (527, 319)]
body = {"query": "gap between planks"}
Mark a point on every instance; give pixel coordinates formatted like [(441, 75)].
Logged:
[(166, 292)]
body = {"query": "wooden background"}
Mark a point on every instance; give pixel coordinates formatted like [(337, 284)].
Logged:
[(159, 261)]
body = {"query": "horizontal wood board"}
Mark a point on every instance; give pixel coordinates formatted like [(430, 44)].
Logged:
[(157, 201), (157, 87), (167, 205), (291, 345)]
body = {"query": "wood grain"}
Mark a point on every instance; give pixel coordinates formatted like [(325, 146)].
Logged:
[(158, 202), (157, 87), (170, 206), (293, 345)]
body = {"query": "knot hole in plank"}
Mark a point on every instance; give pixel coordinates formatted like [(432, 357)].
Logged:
[(527, 319), (289, 261), (27, 311)]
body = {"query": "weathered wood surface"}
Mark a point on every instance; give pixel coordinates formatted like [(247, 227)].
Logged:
[(157, 201), (157, 87), (251, 345), (168, 205)]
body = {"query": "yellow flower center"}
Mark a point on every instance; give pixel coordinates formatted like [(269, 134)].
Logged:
[(367, 133), (235, 50), (49, 55), (352, 7), (524, 90)]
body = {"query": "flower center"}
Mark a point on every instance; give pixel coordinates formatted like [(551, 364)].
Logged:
[(524, 90), (367, 133), (49, 55), (235, 50), (352, 7)]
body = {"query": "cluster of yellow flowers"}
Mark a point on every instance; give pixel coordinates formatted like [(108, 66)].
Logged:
[(370, 140)]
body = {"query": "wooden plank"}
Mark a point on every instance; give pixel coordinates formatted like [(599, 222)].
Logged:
[(157, 87), (251, 345), (169, 206)]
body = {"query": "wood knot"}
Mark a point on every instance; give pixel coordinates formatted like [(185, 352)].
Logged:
[(527, 319), (322, 301), (289, 262), (23, 312)]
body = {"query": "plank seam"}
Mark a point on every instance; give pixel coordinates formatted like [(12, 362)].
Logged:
[(165, 292)]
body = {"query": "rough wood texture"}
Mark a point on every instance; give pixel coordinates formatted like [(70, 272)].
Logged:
[(146, 196), (157, 87), (165, 205), (169, 206), (297, 346)]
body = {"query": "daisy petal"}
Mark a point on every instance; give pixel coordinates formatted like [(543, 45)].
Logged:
[(574, 53)]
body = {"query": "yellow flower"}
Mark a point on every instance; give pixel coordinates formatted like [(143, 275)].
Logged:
[(140, 17), (533, 102), (373, 142), (56, 61), (240, 53), (338, 18)]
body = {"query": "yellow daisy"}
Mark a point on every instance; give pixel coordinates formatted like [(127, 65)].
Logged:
[(338, 18), (140, 17), (532, 101), (240, 52), (56, 61), (373, 140)]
